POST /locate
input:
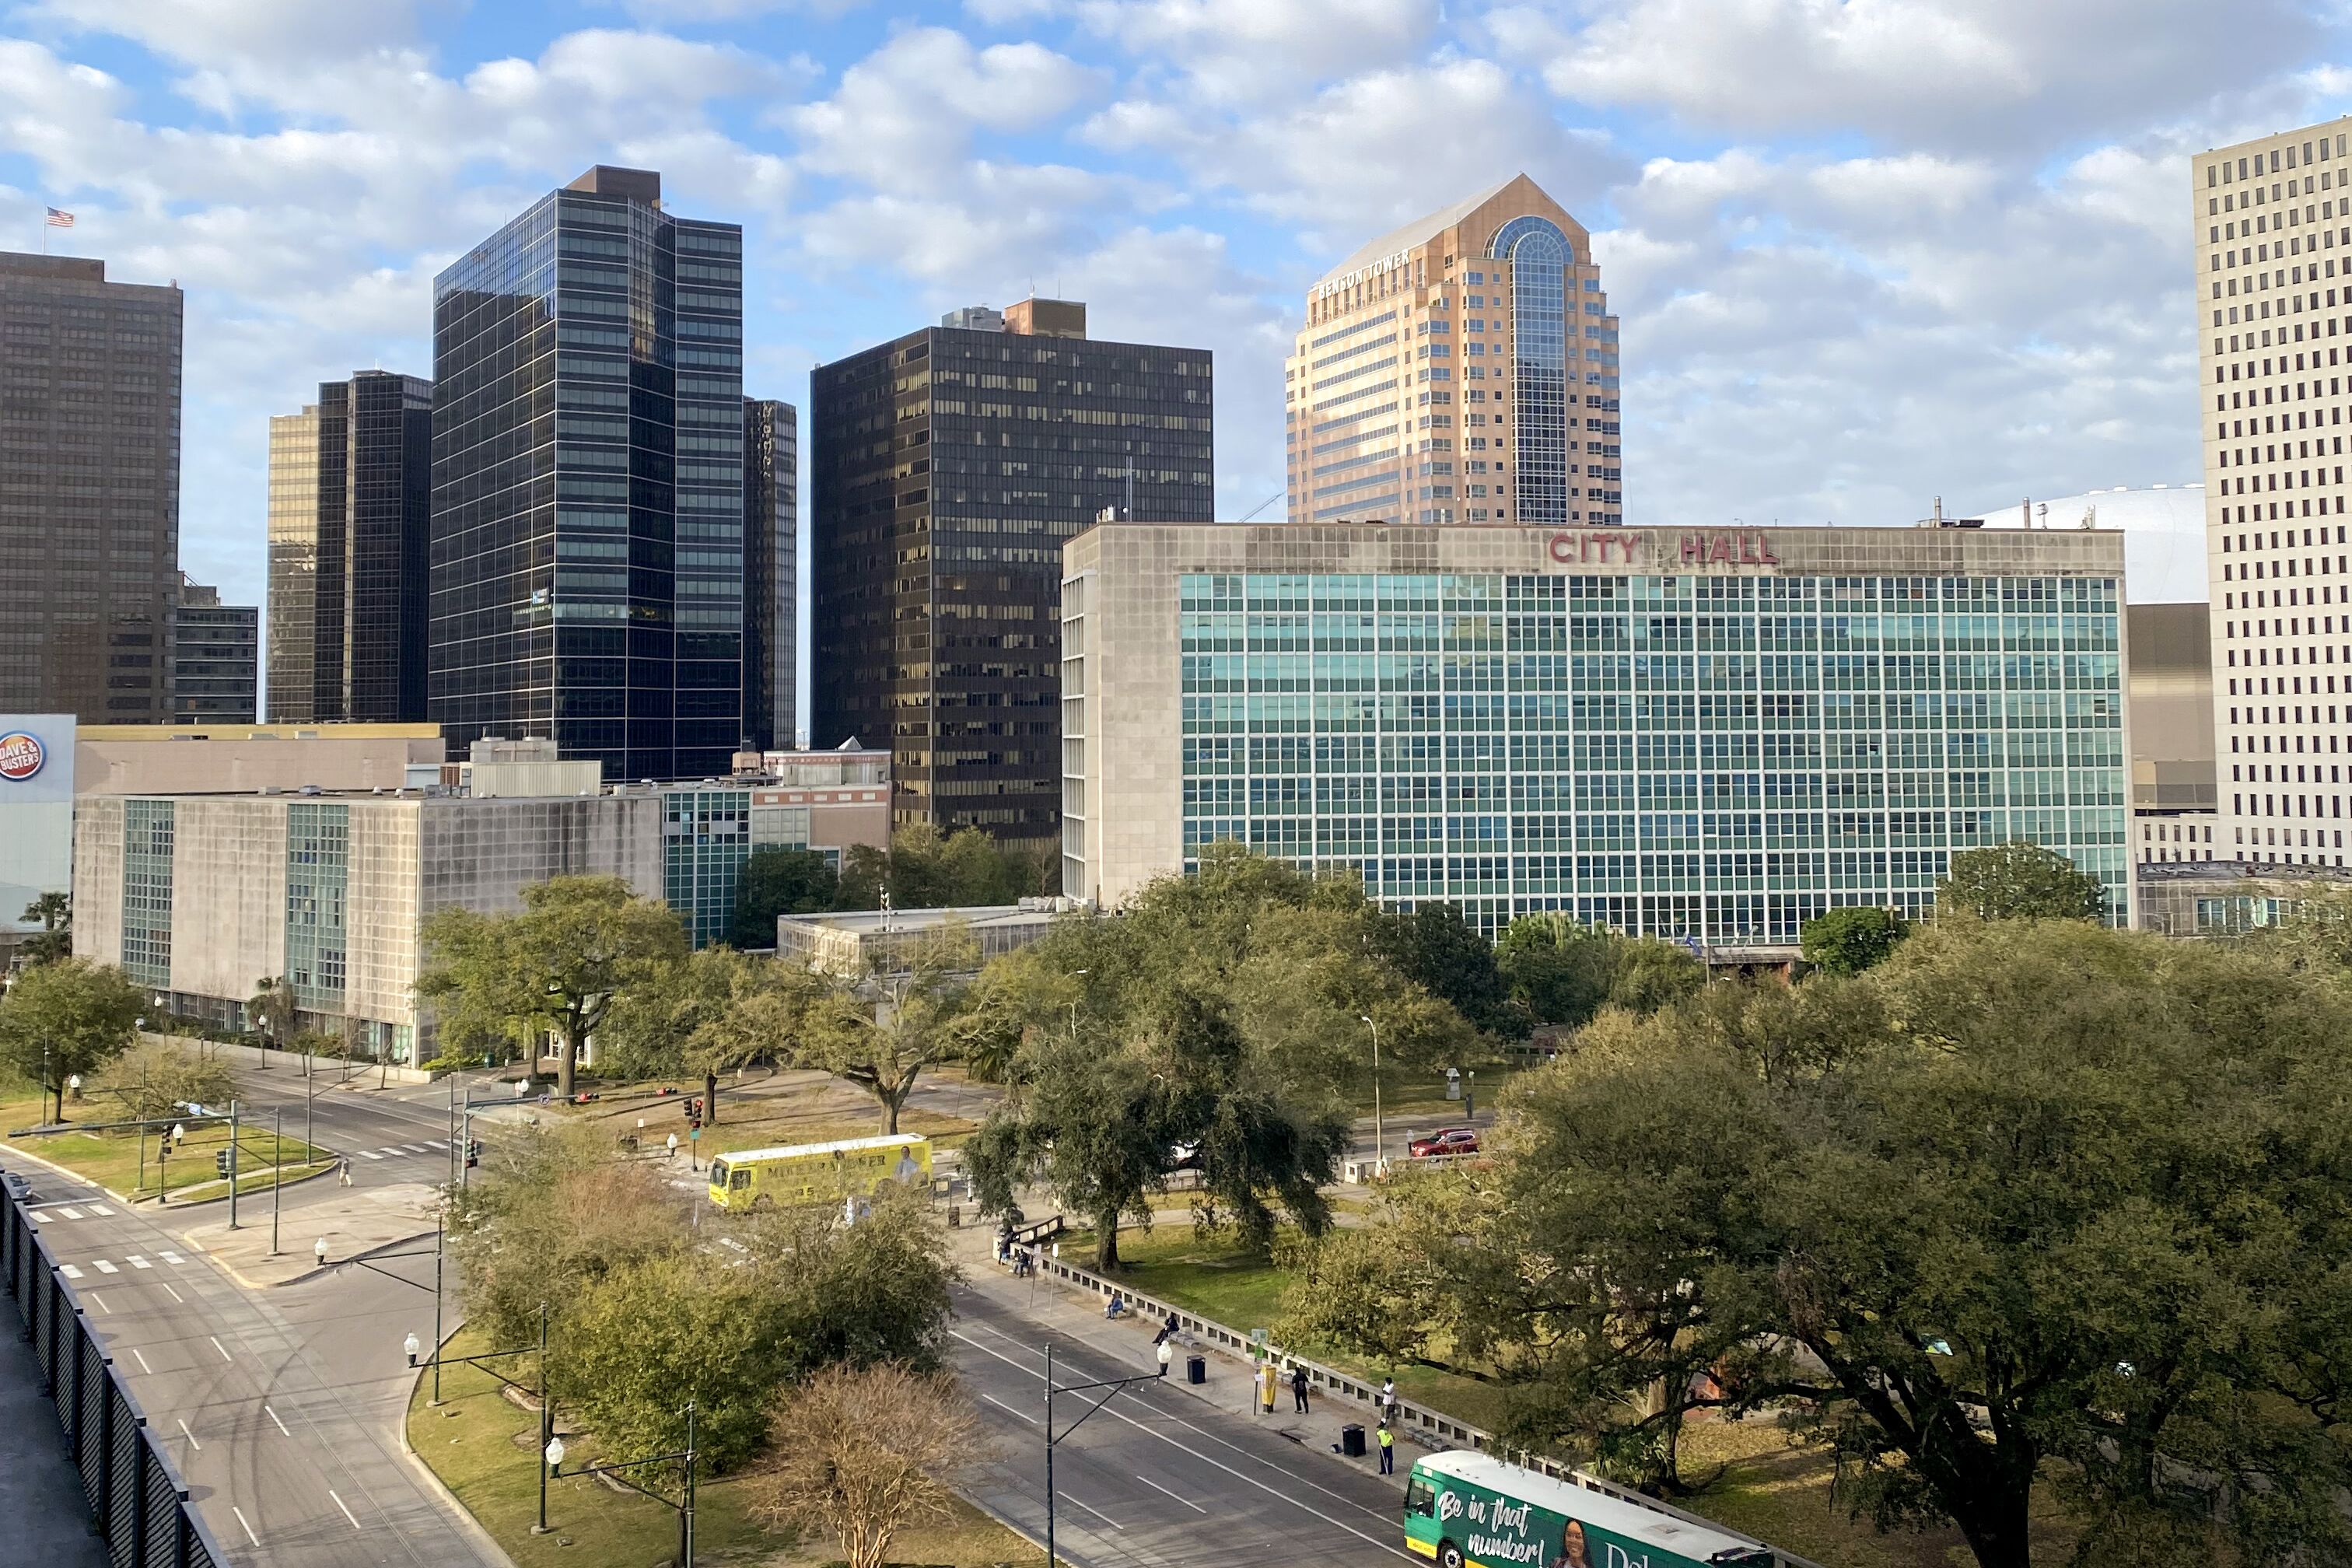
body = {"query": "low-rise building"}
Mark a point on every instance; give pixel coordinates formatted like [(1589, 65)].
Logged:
[(239, 758), (828, 802), (1707, 735), (202, 897), (887, 940), (2224, 897)]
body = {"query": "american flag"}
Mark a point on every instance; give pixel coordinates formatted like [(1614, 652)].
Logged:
[(60, 220)]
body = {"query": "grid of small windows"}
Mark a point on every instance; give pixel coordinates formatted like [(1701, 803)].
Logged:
[(1711, 758), (2269, 216), (1539, 254), (318, 871), (705, 839), (147, 841)]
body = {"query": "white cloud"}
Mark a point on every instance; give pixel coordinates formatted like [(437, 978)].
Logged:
[(1237, 50), (1946, 72), (904, 114)]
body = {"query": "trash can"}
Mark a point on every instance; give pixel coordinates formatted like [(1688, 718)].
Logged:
[(1196, 1369), (1351, 1439)]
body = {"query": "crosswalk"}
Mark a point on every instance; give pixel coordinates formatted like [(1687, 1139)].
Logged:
[(402, 1151), (134, 1260), (56, 1212)]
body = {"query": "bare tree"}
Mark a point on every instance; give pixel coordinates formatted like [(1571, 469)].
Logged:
[(861, 1453)]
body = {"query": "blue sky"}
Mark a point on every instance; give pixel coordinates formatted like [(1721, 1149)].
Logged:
[(1866, 251)]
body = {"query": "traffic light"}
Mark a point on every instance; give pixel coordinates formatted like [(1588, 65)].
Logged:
[(223, 1163), (473, 1153)]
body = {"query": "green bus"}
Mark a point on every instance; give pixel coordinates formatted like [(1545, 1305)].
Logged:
[(1468, 1509)]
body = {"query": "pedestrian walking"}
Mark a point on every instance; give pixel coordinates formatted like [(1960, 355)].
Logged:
[(1298, 1387), (672, 1156), (1388, 1399), (344, 1180), (1388, 1451), (1167, 1355)]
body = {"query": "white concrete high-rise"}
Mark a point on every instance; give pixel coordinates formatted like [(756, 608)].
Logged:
[(2273, 245)]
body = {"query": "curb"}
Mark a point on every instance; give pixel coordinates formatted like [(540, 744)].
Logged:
[(327, 1168), (71, 1174), (308, 1273), (473, 1527)]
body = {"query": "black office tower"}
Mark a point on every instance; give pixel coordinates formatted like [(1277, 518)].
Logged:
[(770, 573), (89, 490), (587, 543), (949, 467), (350, 512)]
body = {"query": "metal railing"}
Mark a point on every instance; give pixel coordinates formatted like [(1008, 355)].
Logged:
[(1433, 1428), (135, 1494)]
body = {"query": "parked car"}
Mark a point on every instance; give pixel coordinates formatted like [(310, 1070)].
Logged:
[(19, 1187), (1446, 1140), (1184, 1156)]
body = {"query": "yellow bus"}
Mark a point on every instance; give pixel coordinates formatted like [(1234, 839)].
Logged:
[(818, 1172)]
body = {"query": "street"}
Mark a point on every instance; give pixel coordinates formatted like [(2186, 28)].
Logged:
[(282, 1409), (1162, 1477)]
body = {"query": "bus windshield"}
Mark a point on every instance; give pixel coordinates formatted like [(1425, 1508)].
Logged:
[(718, 1173)]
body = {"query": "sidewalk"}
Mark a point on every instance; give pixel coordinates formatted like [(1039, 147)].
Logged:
[(357, 1221), (1229, 1388)]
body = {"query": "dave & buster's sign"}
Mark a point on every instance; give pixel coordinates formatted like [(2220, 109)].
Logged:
[(1616, 547), (21, 755)]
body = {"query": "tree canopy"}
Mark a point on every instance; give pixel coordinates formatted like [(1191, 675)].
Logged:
[(1222, 1011), (780, 881), (558, 966), (71, 1015), (53, 913), (880, 1028), (2020, 881), (2026, 1204), (1559, 970), (1849, 940)]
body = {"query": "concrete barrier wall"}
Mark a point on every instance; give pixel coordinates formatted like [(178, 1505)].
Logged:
[(333, 1069)]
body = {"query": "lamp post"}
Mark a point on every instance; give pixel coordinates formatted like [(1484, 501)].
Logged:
[(1111, 1385), (1380, 1144), (277, 1176), (553, 1453)]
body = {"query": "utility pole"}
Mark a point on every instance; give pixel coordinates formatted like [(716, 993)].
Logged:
[(1379, 1143), (1112, 1385), (277, 1177), (232, 1165)]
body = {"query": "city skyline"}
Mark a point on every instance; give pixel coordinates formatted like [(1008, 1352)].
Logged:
[(1826, 309)]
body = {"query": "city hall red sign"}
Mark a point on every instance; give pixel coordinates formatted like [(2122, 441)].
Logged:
[(1614, 547)]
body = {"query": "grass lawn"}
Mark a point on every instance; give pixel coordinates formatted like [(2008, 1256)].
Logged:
[(484, 1448), (1418, 1096), (113, 1159)]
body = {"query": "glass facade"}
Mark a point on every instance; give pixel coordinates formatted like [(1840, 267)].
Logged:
[(147, 863), (216, 658), (948, 469), (1715, 759), (293, 566), (705, 839), (90, 489), (587, 541), (318, 874), (1539, 253), (770, 574)]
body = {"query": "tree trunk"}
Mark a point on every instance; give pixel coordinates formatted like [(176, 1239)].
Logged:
[(1996, 1530), (710, 1098), (891, 1099), (1106, 1242), (566, 1050)]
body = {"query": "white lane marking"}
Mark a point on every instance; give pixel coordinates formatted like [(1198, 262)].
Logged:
[(68, 1214), (99, 1208), (101, 1302), (106, 1268), (216, 1345), (191, 1437), (143, 1362), (1216, 1464), (345, 1506), (174, 1294), (69, 1271), (418, 1148), (273, 1415), (1205, 1433), (1163, 1491), (137, 1262), (40, 1217), (249, 1529), (1095, 1511), (170, 1256), (1018, 1415), (394, 1150), (370, 1154)]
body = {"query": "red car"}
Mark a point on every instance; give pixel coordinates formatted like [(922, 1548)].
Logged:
[(1445, 1140)]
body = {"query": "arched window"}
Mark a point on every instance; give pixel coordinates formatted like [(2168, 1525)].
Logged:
[(1539, 253)]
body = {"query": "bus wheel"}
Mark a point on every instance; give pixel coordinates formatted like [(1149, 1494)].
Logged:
[(762, 1202), (1449, 1555)]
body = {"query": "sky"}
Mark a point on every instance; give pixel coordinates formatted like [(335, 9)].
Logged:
[(1866, 252)]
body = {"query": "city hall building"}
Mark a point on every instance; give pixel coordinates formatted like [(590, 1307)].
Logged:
[(1707, 735)]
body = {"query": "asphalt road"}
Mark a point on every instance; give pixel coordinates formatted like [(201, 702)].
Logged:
[(281, 1409), (1158, 1479)]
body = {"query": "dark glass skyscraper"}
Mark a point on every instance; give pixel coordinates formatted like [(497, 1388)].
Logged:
[(949, 467), (770, 573), (351, 509), (587, 543), (89, 490)]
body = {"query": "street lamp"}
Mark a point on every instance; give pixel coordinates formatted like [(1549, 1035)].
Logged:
[(1380, 1144)]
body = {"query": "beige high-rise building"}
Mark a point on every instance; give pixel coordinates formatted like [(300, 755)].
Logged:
[(1460, 368), (2273, 245)]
